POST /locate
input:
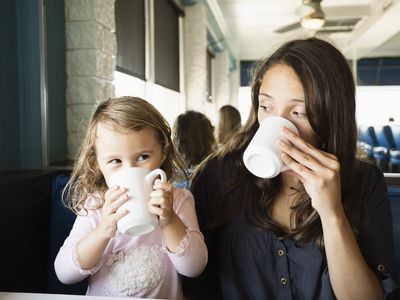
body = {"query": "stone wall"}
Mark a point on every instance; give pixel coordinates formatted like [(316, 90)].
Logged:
[(90, 62), (195, 56)]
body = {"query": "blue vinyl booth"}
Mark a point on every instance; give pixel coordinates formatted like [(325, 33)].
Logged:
[(385, 142), (61, 221), (367, 139), (394, 197), (371, 145), (34, 224), (395, 153)]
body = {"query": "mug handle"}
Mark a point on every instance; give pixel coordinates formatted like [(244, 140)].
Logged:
[(153, 175)]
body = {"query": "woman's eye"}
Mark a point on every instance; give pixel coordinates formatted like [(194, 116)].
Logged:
[(143, 157), (265, 108), (299, 114), (115, 161)]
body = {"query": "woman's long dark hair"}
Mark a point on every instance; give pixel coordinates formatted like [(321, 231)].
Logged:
[(193, 137), (329, 93)]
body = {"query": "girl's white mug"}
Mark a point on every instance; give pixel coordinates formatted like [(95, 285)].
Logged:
[(139, 182), (262, 156)]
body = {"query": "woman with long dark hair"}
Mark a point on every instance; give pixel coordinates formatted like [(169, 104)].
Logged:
[(322, 229)]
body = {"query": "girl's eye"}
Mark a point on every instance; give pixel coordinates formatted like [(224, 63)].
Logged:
[(115, 161), (143, 157)]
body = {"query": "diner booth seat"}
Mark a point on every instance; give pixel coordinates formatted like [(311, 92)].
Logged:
[(34, 224), (367, 139), (385, 143), (395, 153), (394, 197), (61, 221)]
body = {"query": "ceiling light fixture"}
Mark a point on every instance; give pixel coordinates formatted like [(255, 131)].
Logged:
[(314, 19)]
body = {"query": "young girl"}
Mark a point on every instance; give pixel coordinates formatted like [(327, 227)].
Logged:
[(322, 229), (122, 133)]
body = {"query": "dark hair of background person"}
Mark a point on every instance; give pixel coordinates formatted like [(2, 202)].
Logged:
[(329, 93), (193, 136), (229, 122)]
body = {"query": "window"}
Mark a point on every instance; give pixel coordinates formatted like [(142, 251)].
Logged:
[(130, 32), (166, 43)]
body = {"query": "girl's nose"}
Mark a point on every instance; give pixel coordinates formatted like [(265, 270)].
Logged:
[(131, 164)]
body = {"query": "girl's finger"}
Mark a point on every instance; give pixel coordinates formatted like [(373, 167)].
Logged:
[(157, 194), (117, 216), (113, 194), (156, 210), (160, 202), (165, 186), (118, 202)]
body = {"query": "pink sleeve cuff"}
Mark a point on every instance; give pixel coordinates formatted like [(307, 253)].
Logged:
[(79, 268), (183, 245)]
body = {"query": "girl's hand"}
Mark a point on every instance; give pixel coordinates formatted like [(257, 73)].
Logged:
[(161, 202), (113, 199), (319, 172)]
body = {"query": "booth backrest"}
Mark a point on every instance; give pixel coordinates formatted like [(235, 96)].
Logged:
[(61, 221), (394, 197), (34, 224)]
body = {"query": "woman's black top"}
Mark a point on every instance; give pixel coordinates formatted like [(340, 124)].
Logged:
[(249, 263)]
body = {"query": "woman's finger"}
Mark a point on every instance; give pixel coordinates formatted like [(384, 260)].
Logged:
[(325, 158), (298, 168), (301, 157)]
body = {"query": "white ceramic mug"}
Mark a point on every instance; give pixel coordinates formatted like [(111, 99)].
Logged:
[(262, 156), (139, 182)]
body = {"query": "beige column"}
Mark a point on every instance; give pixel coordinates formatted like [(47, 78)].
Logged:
[(90, 62), (195, 56)]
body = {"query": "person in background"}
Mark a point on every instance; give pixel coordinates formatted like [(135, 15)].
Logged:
[(320, 230), (123, 133), (193, 136), (229, 123)]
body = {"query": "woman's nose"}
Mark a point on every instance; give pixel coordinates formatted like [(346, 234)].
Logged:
[(282, 114)]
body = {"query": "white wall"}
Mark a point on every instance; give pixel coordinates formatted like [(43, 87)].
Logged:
[(170, 103), (375, 104)]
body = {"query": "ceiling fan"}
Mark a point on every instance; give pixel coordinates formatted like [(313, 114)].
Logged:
[(312, 17)]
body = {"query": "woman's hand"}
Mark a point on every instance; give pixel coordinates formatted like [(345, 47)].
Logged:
[(319, 172), (113, 199), (161, 202)]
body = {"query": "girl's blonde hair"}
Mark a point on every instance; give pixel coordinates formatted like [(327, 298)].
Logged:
[(122, 114)]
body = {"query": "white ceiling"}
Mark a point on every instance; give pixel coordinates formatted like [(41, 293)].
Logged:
[(250, 24)]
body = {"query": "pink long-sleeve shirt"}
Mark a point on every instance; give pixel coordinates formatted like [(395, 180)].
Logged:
[(138, 266)]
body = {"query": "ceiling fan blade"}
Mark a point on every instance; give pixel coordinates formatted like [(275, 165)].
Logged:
[(289, 27)]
